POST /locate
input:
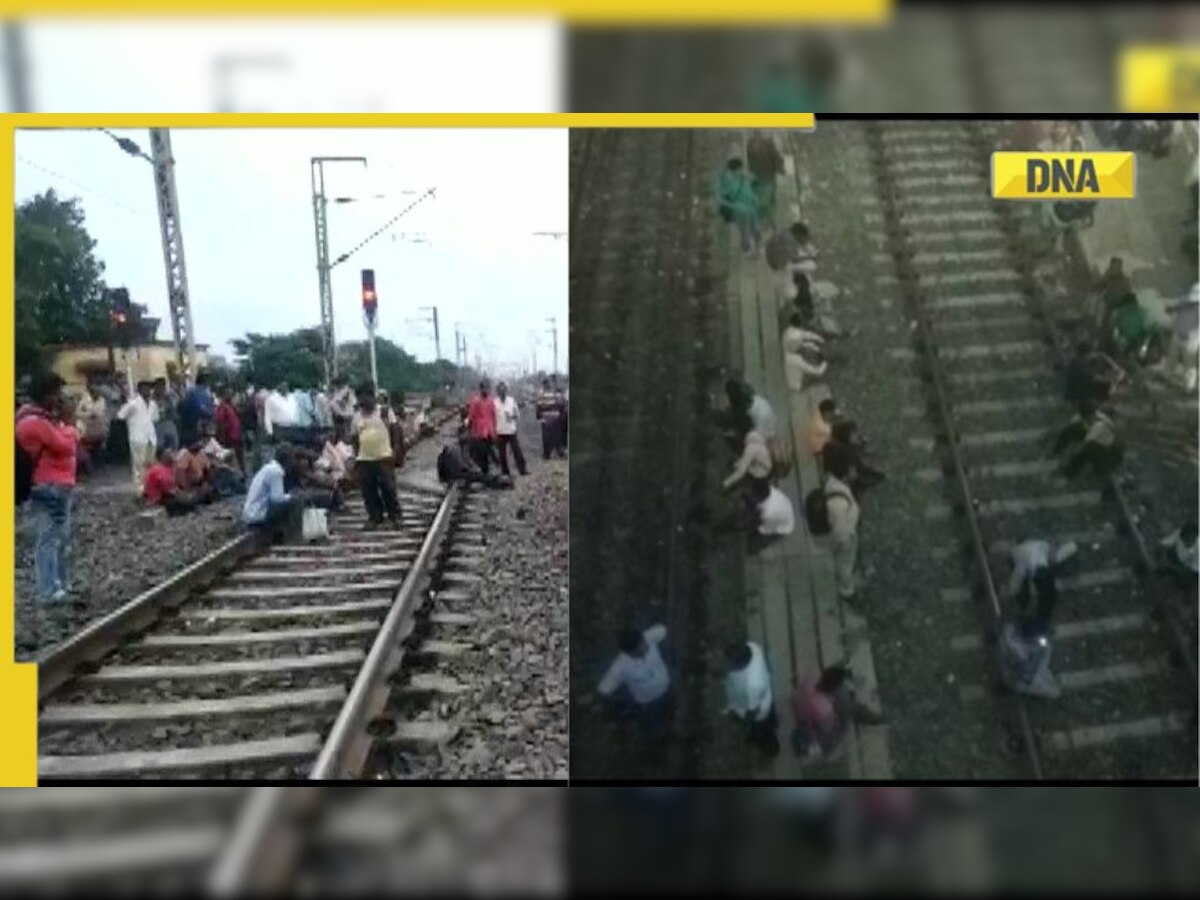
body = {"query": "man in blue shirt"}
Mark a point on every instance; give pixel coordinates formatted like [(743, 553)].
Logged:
[(199, 406), (268, 504)]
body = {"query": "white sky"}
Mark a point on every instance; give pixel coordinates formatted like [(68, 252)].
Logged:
[(246, 215)]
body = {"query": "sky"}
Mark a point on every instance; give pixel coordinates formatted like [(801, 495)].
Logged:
[(246, 215)]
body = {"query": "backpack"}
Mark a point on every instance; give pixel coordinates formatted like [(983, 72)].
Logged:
[(25, 464), (816, 510)]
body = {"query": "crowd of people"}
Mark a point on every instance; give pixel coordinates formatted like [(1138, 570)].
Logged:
[(488, 431), (189, 446), (1089, 445)]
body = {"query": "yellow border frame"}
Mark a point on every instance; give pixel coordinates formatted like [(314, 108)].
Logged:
[(580, 12), (18, 682)]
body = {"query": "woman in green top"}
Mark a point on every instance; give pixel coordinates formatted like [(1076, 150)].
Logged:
[(739, 204)]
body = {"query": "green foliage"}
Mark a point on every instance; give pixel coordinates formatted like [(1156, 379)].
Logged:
[(59, 291), (268, 359), (297, 359)]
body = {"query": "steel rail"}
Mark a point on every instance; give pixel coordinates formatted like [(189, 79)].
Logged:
[(908, 278), (345, 750), (57, 665)]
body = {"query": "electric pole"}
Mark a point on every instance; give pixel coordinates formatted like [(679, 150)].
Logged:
[(553, 331), (320, 224), (437, 336), (172, 246)]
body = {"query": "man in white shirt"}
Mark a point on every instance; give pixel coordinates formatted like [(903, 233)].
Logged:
[(507, 416), (279, 412), (769, 513), (640, 669), (762, 417), (748, 695), (139, 416), (755, 461)]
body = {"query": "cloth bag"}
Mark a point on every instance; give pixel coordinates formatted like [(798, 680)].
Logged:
[(315, 525)]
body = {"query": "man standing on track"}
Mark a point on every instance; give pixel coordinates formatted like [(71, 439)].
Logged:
[(507, 416), (50, 446), (551, 413), (373, 461), (481, 426), (139, 416), (748, 695)]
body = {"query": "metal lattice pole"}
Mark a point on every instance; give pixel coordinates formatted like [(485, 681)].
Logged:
[(173, 258), (320, 207), (325, 286)]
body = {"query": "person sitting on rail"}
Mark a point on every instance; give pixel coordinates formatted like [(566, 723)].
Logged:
[(334, 462), (1032, 583), (749, 409), (1094, 438), (814, 302), (268, 505), (755, 461), (1025, 652), (193, 472), (748, 696), (823, 707), (315, 486), (227, 478), (454, 464), (738, 204), (819, 431), (790, 252), (646, 699), (769, 512), (801, 354), (162, 489), (847, 443), (1179, 554)]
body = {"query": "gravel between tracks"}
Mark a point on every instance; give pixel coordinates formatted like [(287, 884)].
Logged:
[(116, 555), (513, 720)]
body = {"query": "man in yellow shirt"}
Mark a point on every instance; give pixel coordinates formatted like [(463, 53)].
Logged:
[(372, 458)]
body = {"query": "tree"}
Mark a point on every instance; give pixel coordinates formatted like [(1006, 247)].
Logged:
[(59, 291), (268, 359), (297, 358)]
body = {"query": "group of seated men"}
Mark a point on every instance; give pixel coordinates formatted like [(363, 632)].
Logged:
[(195, 475)]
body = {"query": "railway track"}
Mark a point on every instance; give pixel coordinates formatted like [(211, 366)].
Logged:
[(266, 661), (229, 841), (988, 350)]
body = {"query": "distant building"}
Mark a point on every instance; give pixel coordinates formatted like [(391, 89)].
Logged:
[(148, 361)]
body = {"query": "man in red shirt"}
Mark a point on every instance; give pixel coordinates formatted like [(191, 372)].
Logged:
[(52, 446), (229, 427), (161, 489), (481, 426)]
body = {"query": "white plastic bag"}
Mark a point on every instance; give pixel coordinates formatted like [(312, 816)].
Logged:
[(315, 526)]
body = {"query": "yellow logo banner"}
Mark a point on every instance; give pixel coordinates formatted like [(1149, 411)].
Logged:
[(1063, 176), (1159, 79)]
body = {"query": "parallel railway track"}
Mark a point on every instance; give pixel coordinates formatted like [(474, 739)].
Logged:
[(988, 351), (230, 841), (285, 661)]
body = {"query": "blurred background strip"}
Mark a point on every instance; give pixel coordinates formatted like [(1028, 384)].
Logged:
[(954, 58)]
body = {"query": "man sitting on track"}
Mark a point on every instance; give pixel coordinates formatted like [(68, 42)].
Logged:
[(160, 487), (268, 506)]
